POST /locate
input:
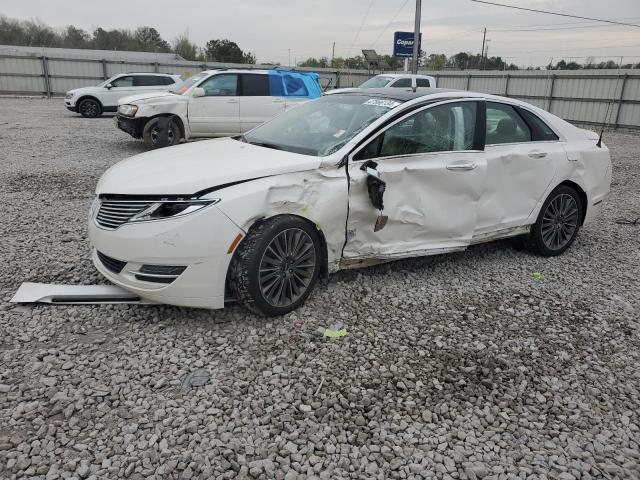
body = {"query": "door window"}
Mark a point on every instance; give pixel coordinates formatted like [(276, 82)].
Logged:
[(225, 85), (403, 82), (126, 81), (255, 85), (147, 80), (444, 128), (423, 82), (505, 125)]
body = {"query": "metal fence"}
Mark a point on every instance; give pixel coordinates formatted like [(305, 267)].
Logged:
[(592, 97)]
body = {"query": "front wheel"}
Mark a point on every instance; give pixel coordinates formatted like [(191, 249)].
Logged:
[(161, 132), (90, 108), (558, 222), (277, 265)]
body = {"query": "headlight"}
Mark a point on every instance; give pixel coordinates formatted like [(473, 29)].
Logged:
[(127, 110), (171, 209)]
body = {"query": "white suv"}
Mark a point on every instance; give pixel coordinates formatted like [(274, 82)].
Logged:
[(91, 102), (214, 103)]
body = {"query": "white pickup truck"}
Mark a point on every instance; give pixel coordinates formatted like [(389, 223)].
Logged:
[(214, 103)]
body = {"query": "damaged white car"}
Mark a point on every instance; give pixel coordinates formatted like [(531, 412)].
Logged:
[(345, 181)]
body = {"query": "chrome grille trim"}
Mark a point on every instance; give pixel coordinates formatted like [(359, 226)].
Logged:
[(113, 213)]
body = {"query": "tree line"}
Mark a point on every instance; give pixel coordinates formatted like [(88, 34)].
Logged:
[(459, 61), (143, 39)]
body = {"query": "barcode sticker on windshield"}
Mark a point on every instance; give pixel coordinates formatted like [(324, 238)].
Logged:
[(382, 102)]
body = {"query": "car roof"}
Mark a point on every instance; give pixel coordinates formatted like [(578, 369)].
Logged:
[(150, 73), (397, 75), (401, 94)]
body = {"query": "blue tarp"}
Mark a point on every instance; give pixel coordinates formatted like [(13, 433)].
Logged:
[(285, 83)]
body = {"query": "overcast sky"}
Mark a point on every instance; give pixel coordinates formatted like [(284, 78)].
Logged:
[(269, 28)]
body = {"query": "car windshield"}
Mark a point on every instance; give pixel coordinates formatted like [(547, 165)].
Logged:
[(376, 82), (180, 88), (321, 127), (108, 81)]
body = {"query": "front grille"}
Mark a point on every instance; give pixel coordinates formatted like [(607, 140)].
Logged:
[(111, 264), (113, 213)]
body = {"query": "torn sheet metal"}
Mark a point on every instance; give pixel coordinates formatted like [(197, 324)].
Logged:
[(74, 294)]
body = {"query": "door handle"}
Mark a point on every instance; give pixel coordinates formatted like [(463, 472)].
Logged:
[(233, 100), (537, 154), (461, 167)]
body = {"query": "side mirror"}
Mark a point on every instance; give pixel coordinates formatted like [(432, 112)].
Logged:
[(108, 86), (198, 92)]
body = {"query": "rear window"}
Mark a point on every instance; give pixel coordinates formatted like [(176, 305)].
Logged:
[(540, 130), (254, 85), (148, 80), (168, 80), (423, 82)]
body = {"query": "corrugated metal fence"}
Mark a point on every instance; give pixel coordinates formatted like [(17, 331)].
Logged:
[(583, 96)]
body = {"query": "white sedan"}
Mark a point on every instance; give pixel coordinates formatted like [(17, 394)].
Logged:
[(348, 180)]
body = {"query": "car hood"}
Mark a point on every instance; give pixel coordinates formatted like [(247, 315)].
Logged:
[(193, 167), (141, 97)]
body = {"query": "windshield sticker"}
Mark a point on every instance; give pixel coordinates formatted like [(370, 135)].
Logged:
[(382, 102), (339, 133)]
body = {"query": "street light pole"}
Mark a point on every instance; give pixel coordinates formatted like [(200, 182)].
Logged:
[(416, 37)]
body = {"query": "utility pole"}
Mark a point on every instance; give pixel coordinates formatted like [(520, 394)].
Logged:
[(289, 63), (416, 37), (333, 53), (484, 36)]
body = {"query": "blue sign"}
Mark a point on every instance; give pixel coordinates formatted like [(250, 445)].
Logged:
[(403, 44)]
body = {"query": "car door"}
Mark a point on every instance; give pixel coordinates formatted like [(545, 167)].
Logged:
[(433, 167), (257, 105), (218, 112), (521, 164), (120, 87)]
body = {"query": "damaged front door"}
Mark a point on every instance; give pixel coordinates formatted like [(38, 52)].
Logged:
[(430, 169)]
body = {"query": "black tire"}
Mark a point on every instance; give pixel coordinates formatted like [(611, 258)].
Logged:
[(253, 267), (161, 132), (90, 108), (558, 222)]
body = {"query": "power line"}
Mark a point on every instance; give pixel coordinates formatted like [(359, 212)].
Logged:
[(364, 19), (548, 29), (558, 14), (390, 22)]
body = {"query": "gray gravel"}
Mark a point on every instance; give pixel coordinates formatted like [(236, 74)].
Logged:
[(459, 366)]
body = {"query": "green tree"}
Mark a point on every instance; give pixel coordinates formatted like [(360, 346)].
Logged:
[(183, 47), (149, 40), (227, 51), (73, 37)]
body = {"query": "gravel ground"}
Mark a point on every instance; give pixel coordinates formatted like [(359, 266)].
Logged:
[(459, 366)]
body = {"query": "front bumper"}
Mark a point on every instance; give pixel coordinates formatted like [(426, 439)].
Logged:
[(198, 241), (130, 125), (71, 106)]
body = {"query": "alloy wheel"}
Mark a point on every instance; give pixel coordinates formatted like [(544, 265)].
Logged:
[(559, 222), (89, 109), (287, 267), (155, 135)]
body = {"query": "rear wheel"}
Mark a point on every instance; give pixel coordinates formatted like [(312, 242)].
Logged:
[(558, 222), (276, 266), (161, 132), (90, 108)]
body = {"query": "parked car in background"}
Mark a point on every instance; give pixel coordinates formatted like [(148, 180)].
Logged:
[(93, 101), (214, 103), (348, 180), (394, 80)]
